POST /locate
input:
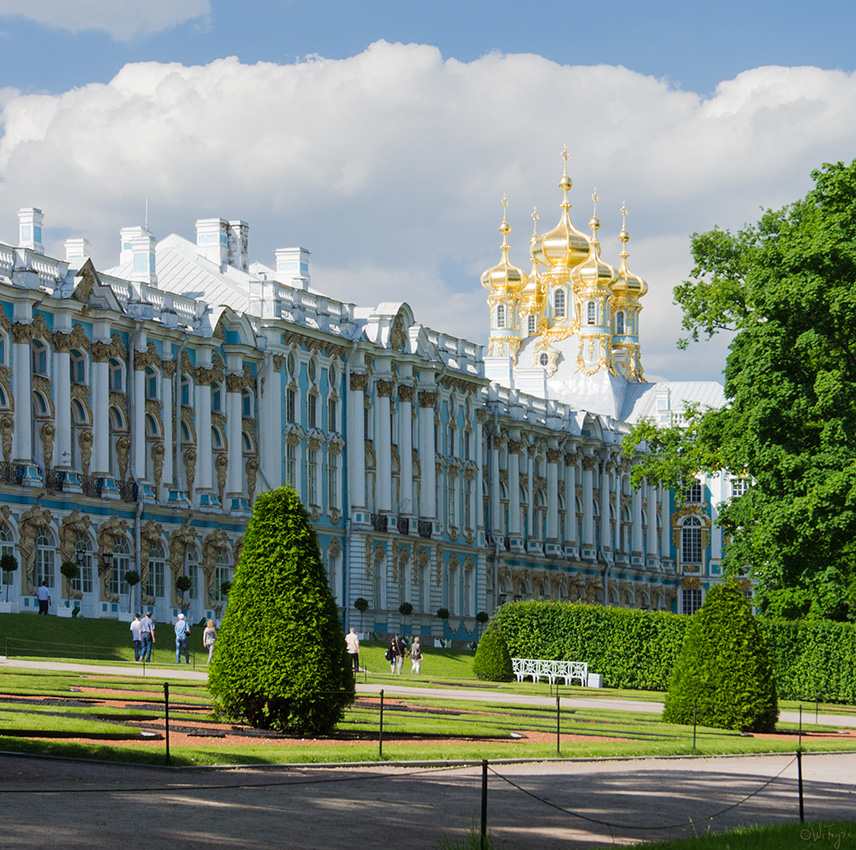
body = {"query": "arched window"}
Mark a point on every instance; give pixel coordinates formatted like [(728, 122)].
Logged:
[(83, 559), (7, 547), (117, 376), (40, 358), (77, 366), (591, 313), (246, 403), (4, 348), (559, 303), (45, 560), (222, 574), (691, 542), (500, 315), (121, 564), (531, 325), (185, 390), (191, 570), (157, 568), (151, 383), (619, 322)]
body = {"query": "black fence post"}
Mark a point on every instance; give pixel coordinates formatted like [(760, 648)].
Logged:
[(380, 730), (484, 805), (800, 784), (166, 716), (558, 724)]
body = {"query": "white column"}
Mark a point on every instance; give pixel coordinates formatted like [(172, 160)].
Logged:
[(665, 532), (139, 424), (405, 448), (553, 455), (496, 525), (62, 391), (638, 543), (100, 408), (589, 464), (235, 497), (515, 519), (22, 389), (427, 454), (383, 446), (203, 493), (269, 419), (571, 541), (651, 558), (605, 531), (356, 440), (478, 484)]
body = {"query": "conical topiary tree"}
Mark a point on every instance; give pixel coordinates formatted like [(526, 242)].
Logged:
[(723, 669), (280, 661), (493, 660)]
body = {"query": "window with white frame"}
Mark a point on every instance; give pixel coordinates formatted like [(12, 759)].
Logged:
[(77, 367), (151, 382), (619, 322), (739, 486), (191, 570), (451, 507), (222, 573), (500, 315), (83, 560), (559, 303), (45, 560), (468, 504), (121, 565), (157, 571), (693, 494), (290, 406), (531, 325), (691, 550), (332, 416), (40, 358), (691, 599), (291, 465), (332, 481), (117, 375), (312, 495), (591, 313), (311, 411)]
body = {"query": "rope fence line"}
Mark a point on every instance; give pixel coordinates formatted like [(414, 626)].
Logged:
[(610, 824)]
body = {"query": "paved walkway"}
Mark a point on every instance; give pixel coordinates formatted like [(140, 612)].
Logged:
[(394, 689)]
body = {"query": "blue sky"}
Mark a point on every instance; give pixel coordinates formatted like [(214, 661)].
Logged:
[(383, 135)]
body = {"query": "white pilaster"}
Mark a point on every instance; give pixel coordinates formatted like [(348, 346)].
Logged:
[(405, 448), (356, 441), (427, 454)]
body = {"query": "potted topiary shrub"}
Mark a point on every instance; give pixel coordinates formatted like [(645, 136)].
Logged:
[(182, 585), (405, 609), (8, 564), (70, 572), (362, 606), (132, 579), (481, 618), (443, 614)]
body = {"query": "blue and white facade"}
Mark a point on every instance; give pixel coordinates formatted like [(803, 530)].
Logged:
[(144, 406)]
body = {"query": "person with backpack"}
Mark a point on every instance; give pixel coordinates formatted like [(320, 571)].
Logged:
[(182, 631)]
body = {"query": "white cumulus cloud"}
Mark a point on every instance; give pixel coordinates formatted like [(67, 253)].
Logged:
[(122, 19), (389, 166)]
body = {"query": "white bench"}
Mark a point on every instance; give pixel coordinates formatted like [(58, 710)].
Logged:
[(551, 670)]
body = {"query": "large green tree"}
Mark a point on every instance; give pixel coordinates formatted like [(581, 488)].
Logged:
[(785, 289), (280, 660)]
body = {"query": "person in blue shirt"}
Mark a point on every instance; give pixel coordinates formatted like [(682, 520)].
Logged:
[(182, 631)]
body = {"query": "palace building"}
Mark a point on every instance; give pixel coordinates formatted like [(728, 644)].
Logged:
[(144, 406)]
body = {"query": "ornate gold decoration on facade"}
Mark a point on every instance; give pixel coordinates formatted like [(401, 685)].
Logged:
[(47, 433), (221, 467), (359, 382), (215, 544), (168, 369), (691, 583), (252, 470), (151, 535), (108, 533), (427, 399), (406, 393), (85, 443), (123, 450)]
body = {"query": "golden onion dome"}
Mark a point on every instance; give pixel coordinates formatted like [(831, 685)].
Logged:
[(504, 278), (595, 271), (627, 283), (563, 246)]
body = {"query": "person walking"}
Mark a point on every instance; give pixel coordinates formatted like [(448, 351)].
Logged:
[(392, 654), (43, 595), (401, 647), (208, 638), (415, 656), (182, 631), (147, 637), (353, 644), (135, 636)]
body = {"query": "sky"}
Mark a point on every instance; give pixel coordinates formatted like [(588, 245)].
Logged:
[(382, 136)]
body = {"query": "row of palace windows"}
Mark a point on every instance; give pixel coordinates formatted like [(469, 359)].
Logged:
[(559, 311), (307, 479), (313, 411)]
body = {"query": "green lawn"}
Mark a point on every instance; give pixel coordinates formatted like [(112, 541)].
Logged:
[(790, 836)]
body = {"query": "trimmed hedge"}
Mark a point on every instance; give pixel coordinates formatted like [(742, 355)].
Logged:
[(723, 677), (493, 660), (637, 649), (280, 660)]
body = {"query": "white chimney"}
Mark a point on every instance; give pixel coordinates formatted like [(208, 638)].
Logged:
[(76, 250), (212, 240), (239, 245), (292, 266), (30, 222), (138, 250)]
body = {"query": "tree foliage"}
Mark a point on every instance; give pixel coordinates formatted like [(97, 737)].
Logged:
[(280, 659), (723, 675), (784, 288), (492, 662)]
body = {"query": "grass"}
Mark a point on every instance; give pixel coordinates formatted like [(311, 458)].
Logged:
[(790, 836)]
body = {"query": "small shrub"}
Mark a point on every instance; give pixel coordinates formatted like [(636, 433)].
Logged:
[(723, 668), (493, 660)]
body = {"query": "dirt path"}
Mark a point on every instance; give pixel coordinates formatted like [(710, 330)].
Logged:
[(83, 806)]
